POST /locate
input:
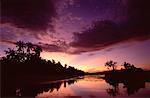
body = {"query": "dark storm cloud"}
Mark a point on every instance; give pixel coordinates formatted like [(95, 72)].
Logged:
[(7, 34), (60, 46), (45, 46), (29, 14), (51, 48), (139, 13), (106, 33)]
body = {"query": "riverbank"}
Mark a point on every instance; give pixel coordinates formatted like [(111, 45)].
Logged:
[(13, 82), (127, 75)]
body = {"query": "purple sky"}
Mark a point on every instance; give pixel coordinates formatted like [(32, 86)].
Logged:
[(81, 33)]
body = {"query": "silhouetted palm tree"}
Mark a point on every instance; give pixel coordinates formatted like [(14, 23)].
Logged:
[(20, 45), (10, 53), (29, 47), (37, 51), (25, 60)]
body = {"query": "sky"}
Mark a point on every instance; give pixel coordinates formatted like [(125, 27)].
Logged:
[(80, 33)]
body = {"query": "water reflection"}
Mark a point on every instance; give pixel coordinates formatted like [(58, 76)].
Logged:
[(94, 86), (114, 91), (33, 90), (131, 85), (85, 87)]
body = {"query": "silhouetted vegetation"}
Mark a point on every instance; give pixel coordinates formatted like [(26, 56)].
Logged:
[(26, 59), (127, 66), (131, 67), (24, 63), (132, 85), (111, 64), (133, 78)]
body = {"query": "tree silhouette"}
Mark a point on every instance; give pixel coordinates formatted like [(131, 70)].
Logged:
[(65, 66), (110, 64), (131, 67), (29, 47), (10, 54), (127, 66), (20, 45), (37, 51), (25, 61), (53, 61)]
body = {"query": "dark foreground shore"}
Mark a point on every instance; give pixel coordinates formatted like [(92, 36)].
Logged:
[(127, 75), (33, 84), (11, 83)]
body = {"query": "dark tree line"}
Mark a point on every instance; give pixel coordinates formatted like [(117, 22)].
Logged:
[(131, 77), (24, 52), (25, 59), (127, 66)]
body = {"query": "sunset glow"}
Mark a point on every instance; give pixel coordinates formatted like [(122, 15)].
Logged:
[(134, 52), (75, 48), (80, 34)]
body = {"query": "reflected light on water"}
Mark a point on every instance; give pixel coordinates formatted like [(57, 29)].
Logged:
[(87, 87), (62, 91), (93, 87)]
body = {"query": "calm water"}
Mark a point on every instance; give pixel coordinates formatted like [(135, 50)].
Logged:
[(86, 87), (82, 87)]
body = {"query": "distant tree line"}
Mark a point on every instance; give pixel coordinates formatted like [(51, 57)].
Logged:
[(25, 59), (127, 66), (131, 77)]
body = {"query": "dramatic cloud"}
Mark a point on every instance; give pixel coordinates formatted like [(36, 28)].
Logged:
[(139, 13), (118, 21), (7, 41), (106, 33), (9, 32), (29, 14), (58, 46)]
